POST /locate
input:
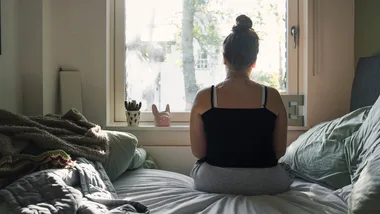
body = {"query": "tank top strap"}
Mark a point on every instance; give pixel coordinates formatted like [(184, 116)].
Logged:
[(212, 96), (215, 98), (264, 96)]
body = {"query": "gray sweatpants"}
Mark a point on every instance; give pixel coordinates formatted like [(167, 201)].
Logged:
[(241, 181)]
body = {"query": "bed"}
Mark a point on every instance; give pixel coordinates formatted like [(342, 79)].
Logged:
[(169, 192)]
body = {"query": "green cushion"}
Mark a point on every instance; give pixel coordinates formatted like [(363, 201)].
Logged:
[(139, 159), (122, 152), (319, 154), (142, 160)]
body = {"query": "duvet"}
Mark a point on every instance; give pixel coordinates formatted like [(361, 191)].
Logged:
[(83, 189)]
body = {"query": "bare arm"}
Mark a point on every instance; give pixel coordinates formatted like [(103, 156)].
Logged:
[(197, 136), (281, 126)]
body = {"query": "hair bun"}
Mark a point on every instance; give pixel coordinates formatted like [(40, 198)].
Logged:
[(243, 23)]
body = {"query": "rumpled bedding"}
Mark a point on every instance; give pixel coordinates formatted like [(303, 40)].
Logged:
[(55, 164), (318, 155), (29, 143), (344, 155), (71, 132), (83, 189)]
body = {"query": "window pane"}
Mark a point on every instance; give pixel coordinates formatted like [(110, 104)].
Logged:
[(174, 47)]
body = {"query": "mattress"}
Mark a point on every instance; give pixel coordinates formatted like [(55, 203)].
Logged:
[(169, 192)]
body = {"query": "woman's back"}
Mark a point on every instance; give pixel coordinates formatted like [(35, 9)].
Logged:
[(240, 121), (245, 119), (238, 133)]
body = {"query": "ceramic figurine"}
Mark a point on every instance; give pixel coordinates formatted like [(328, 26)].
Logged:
[(161, 118)]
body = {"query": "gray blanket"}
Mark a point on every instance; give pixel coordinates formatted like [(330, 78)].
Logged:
[(71, 132), (85, 189)]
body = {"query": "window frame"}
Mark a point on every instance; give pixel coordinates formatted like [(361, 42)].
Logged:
[(117, 61)]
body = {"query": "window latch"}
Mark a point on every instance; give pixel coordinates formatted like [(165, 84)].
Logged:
[(294, 33)]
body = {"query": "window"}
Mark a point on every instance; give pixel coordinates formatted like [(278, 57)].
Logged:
[(166, 50), (201, 60)]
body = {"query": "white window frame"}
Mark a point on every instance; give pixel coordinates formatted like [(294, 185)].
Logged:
[(117, 54)]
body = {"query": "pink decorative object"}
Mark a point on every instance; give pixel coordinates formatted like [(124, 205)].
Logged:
[(161, 118)]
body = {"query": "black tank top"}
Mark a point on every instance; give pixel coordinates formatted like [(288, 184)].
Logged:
[(241, 138)]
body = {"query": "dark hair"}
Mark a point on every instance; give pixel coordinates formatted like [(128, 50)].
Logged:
[(242, 45)]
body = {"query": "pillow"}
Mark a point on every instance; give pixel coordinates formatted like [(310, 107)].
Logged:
[(139, 159), (318, 155), (362, 145), (142, 160), (121, 153), (365, 195)]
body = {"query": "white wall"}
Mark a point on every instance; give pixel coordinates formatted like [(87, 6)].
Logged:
[(30, 60), (50, 91), (10, 79), (69, 34), (78, 41), (27, 50), (328, 90)]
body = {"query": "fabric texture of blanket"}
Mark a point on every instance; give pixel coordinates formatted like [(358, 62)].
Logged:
[(71, 132), (25, 163), (33, 143), (83, 189)]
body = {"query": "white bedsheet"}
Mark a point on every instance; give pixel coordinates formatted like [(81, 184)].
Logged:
[(167, 192)]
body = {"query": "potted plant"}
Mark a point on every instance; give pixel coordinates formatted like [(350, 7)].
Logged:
[(132, 112)]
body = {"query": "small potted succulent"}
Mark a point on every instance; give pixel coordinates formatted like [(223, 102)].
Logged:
[(132, 112)]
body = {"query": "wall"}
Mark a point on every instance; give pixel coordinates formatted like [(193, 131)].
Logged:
[(329, 84), (28, 85), (67, 34), (50, 90), (367, 28), (10, 79), (79, 36), (30, 60), (39, 76)]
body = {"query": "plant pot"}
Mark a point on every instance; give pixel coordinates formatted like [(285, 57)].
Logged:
[(133, 118)]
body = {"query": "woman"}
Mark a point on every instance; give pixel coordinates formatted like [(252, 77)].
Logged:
[(238, 128)]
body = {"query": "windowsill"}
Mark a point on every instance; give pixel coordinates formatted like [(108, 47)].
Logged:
[(175, 126), (175, 135)]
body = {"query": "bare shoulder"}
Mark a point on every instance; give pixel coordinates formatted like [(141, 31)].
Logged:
[(202, 95), (274, 101), (203, 92), (273, 93), (202, 100)]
